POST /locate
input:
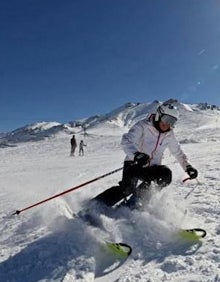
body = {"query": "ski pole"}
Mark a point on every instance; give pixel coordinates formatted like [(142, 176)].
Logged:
[(67, 191), (198, 183), (188, 178)]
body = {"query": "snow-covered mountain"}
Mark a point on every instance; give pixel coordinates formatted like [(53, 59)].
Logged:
[(47, 244), (124, 116)]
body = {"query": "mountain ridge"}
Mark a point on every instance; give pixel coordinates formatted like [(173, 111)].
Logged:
[(123, 116)]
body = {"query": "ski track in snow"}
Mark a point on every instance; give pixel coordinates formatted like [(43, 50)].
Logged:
[(47, 244)]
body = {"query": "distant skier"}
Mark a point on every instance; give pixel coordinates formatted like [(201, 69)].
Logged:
[(144, 146), (81, 150), (73, 145)]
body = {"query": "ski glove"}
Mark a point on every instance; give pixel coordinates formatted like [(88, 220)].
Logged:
[(141, 159), (192, 172)]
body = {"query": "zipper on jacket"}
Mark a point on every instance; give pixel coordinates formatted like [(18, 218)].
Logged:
[(155, 148)]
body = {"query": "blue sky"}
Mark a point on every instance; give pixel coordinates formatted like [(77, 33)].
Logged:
[(65, 60)]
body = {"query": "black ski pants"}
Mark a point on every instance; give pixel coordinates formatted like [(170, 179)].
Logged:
[(160, 174)]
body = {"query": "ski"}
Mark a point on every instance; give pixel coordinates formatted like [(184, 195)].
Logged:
[(121, 250), (111, 255), (194, 234)]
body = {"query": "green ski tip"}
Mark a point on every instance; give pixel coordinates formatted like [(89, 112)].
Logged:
[(194, 234), (119, 249)]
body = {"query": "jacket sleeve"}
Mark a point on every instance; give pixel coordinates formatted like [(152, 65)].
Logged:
[(178, 153), (131, 140)]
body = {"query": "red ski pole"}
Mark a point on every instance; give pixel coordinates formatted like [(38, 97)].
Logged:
[(67, 191)]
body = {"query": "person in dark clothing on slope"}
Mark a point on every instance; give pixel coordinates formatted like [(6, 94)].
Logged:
[(73, 145), (144, 146)]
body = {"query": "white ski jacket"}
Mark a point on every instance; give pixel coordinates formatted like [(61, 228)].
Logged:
[(144, 137)]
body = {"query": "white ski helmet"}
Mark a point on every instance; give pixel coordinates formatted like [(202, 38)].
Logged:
[(167, 113)]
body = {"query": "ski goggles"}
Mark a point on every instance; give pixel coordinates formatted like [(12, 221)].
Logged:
[(168, 119)]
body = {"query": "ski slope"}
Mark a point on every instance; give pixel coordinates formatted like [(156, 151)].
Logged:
[(46, 243)]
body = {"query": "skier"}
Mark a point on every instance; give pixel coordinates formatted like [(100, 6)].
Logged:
[(144, 146), (73, 145), (81, 150)]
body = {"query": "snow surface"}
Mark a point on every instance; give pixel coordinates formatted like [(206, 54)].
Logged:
[(46, 243)]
